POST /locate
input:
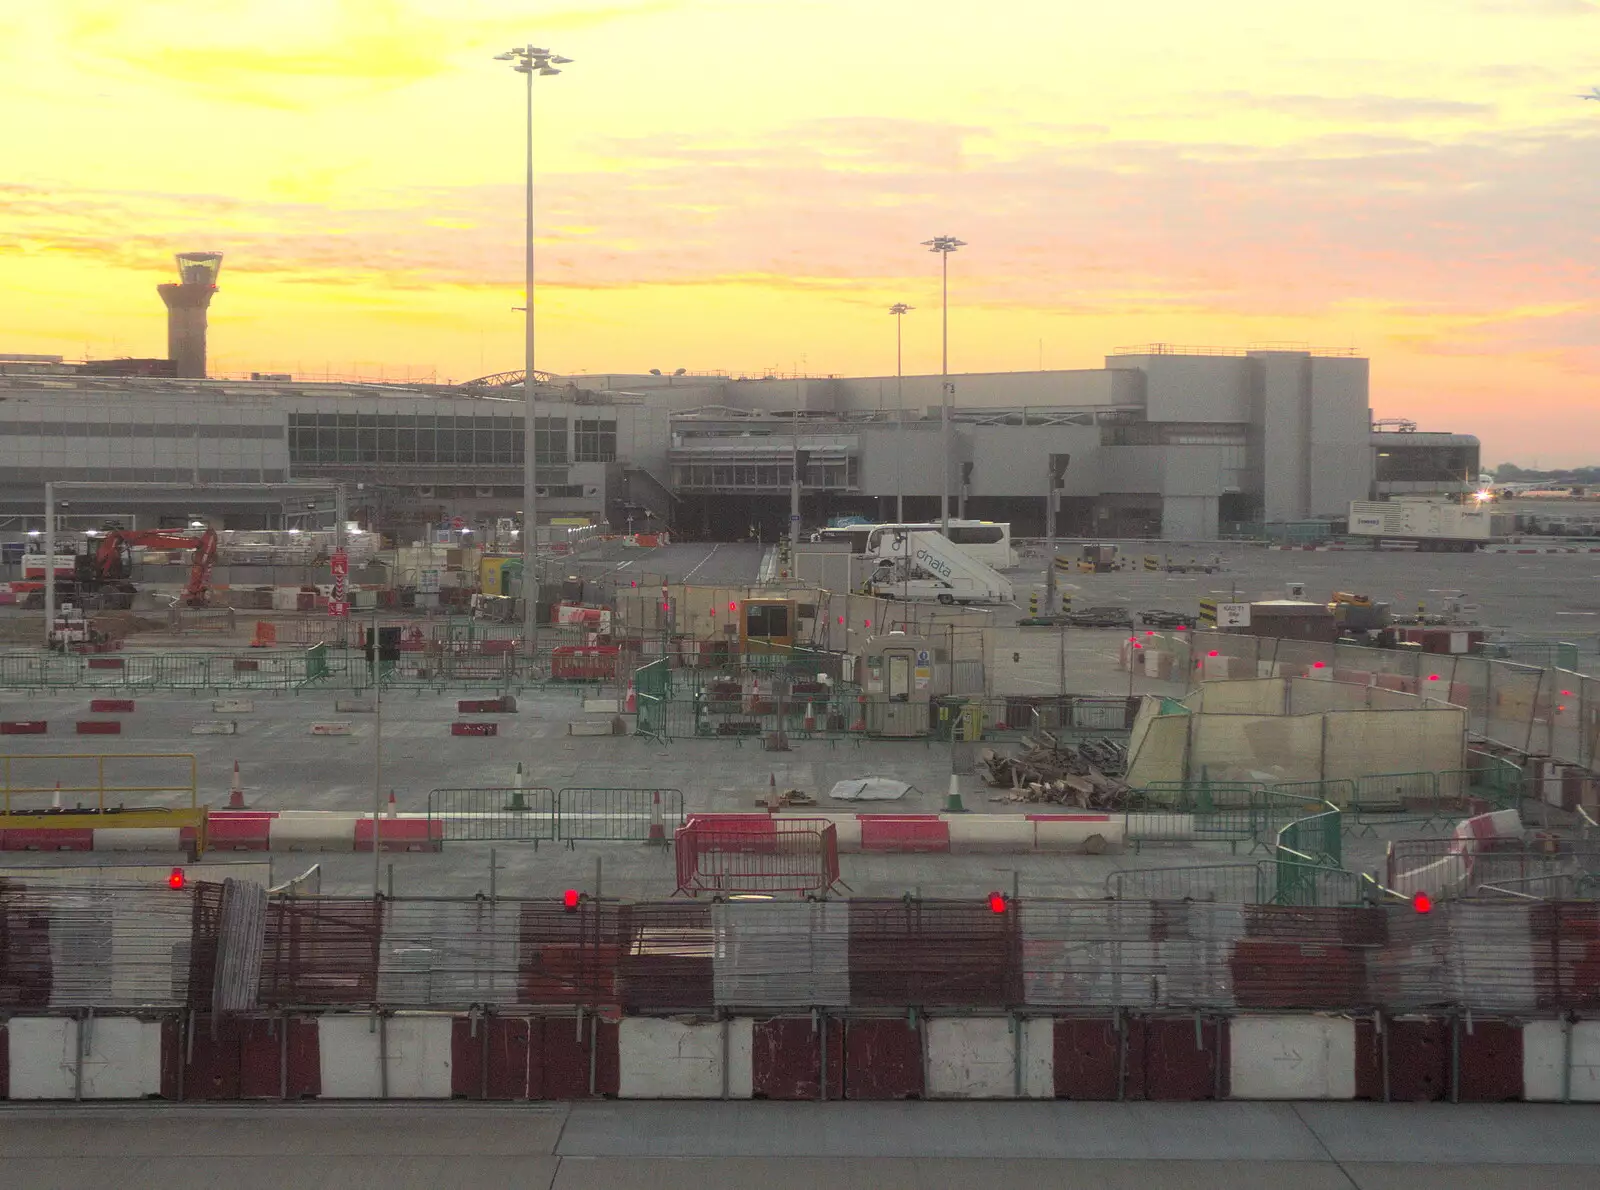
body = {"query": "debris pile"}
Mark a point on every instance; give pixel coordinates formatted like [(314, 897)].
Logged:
[(1063, 775)]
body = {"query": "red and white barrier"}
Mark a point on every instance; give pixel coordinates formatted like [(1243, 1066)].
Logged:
[(439, 1056)]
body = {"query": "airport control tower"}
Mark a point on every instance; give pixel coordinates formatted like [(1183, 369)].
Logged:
[(186, 311)]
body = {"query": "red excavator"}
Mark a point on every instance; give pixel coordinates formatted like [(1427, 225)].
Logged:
[(106, 568), (112, 565)]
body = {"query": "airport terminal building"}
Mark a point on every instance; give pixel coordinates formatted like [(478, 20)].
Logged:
[(1163, 442)]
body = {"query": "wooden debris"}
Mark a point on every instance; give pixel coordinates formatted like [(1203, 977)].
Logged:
[(1063, 776)]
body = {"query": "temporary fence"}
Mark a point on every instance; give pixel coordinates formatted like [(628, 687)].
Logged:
[(1277, 881), (69, 949), (1062, 717), (729, 856), (1460, 866), (536, 814), (147, 779), (241, 670)]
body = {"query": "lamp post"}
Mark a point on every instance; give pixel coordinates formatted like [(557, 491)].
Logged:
[(899, 310), (530, 60), (944, 245)]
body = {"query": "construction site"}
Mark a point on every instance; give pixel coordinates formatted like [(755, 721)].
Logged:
[(745, 822)]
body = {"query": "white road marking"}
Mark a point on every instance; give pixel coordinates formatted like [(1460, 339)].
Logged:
[(701, 563)]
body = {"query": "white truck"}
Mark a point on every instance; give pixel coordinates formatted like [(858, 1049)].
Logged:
[(1432, 524), (922, 565)]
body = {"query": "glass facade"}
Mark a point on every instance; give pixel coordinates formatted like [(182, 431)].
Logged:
[(427, 439), (594, 441)]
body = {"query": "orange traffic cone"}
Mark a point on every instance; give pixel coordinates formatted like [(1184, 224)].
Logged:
[(658, 829), (236, 790), (630, 703)]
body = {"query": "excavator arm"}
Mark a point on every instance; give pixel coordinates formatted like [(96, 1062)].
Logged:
[(113, 558)]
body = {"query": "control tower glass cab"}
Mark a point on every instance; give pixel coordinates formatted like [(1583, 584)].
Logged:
[(199, 268)]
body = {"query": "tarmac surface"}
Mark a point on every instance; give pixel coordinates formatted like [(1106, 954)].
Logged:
[(853, 1146)]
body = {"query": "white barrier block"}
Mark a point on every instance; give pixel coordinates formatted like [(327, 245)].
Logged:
[(232, 706), (1001, 834), (609, 706), (123, 839), (1542, 1057), (972, 1058), (662, 1059), (1070, 834), (215, 727), (330, 729), (1292, 1057), (416, 1049), (589, 727), (121, 1060), (1039, 1057), (313, 832)]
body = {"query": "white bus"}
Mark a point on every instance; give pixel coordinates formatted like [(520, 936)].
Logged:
[(988, 542)]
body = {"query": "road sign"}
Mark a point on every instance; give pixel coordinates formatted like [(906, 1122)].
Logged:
[(339, 564), (1233, 615), (338, 607)]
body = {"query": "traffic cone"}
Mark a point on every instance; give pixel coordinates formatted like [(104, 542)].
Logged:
[(392, 810), (952, 801), (630, 704), (658, 829), (517, 802), (236, 790)]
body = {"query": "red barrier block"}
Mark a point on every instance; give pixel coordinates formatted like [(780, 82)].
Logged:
[(106, 663), (262, 1047), (485, 706), (38, 839), (532, 1058), (401, 834), (1418, 1060), (882, 1060), (786, 1058), (99, 727), (904, 833), (1087, 1056), (24, 727), (1491, 1061), (240, 830), (1178, 1065), (106, 706), (474, 729)]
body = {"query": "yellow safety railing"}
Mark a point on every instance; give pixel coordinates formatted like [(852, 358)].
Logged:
[(100, 788)]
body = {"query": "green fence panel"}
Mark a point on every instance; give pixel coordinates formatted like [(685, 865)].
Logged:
[(494, 815), (619, 815), (1301, 881)]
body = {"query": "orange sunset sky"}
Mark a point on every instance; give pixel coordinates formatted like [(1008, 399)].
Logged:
[(742, 185)]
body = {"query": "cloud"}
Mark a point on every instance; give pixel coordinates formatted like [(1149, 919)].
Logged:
[(1365, 108)]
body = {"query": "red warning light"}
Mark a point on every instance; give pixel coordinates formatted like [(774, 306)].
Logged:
[(1422, 903), (1213, 653), (666, 607), (1433, 677), (1566, 694), (866, 623), (997, 902), (733, 605), (1319, 665), (1149, 633), (177, 879), (570, 899)]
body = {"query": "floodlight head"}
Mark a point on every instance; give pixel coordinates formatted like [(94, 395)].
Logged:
[(901, 308), (560, 61), (505, 57), (943, 244), (548, 70)]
